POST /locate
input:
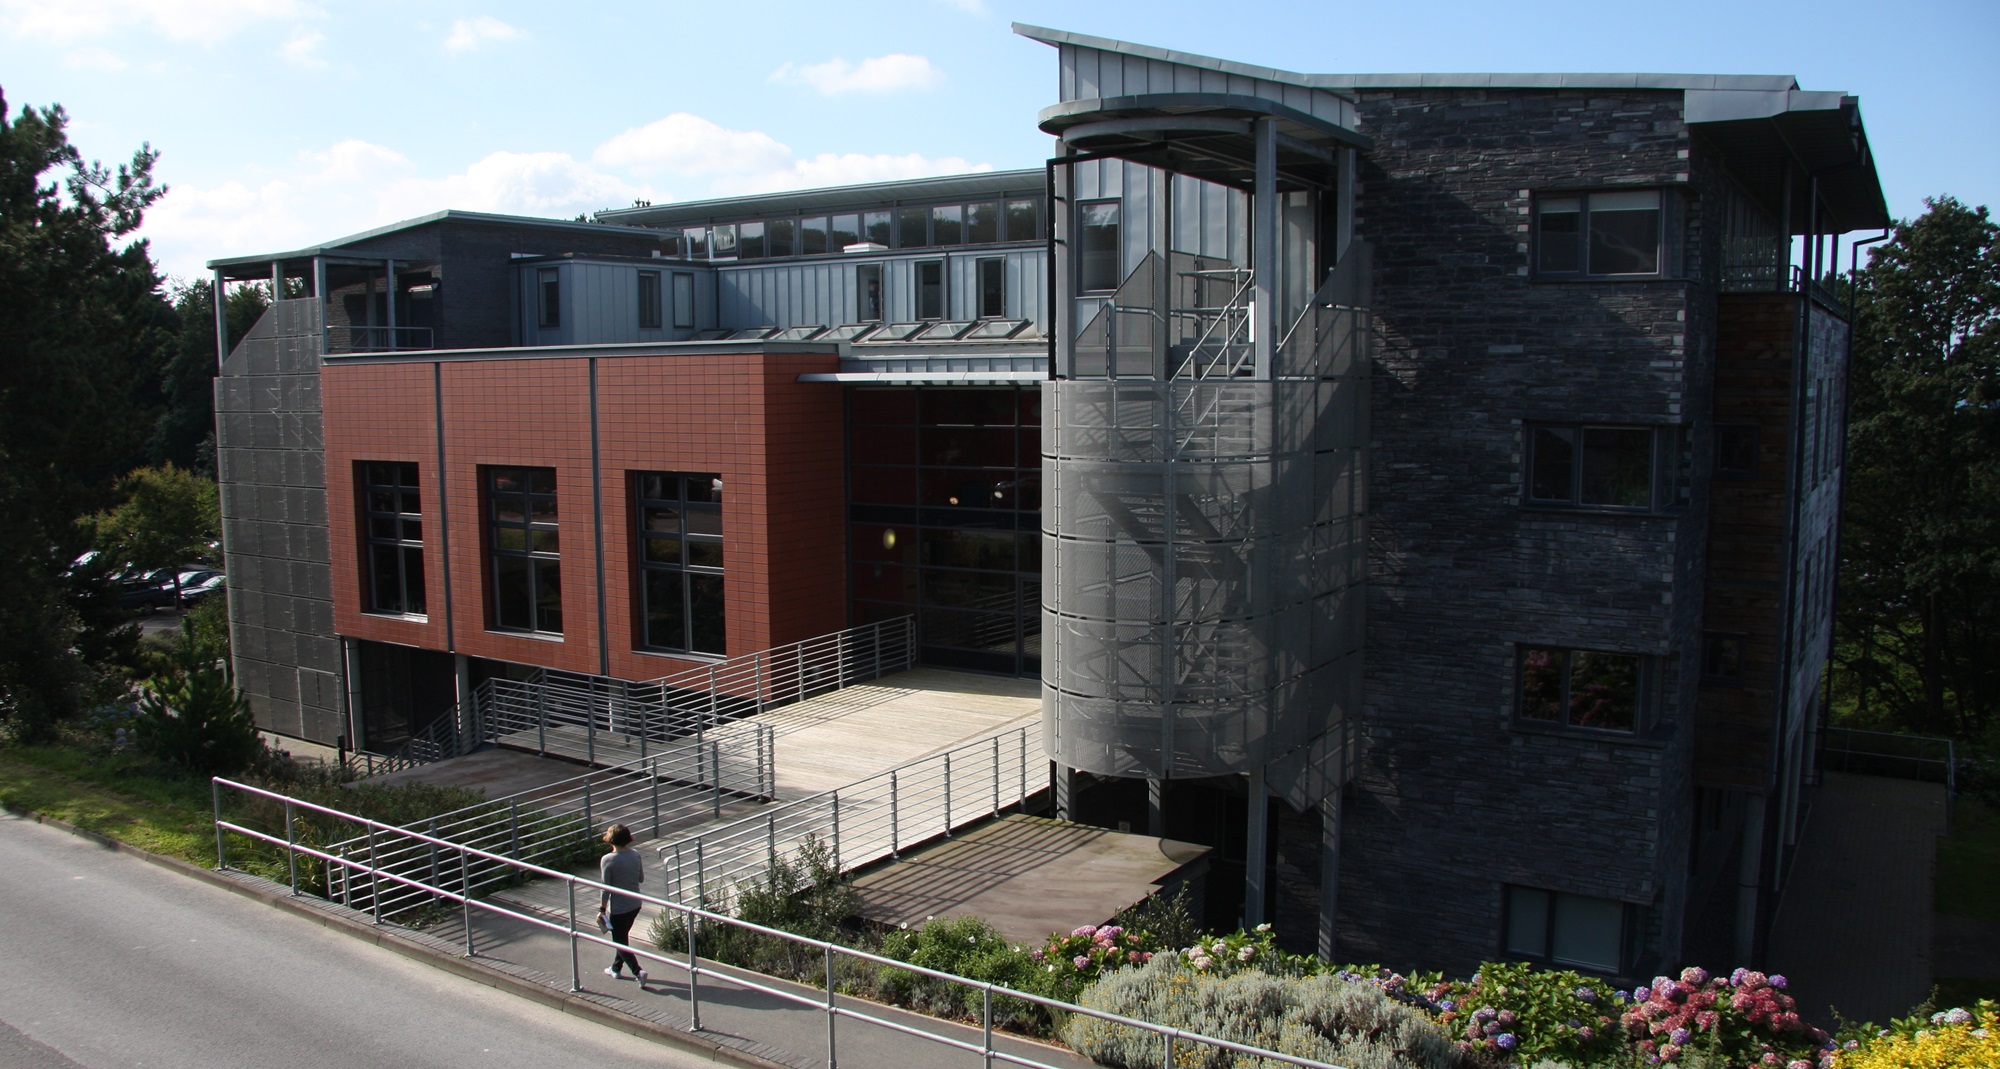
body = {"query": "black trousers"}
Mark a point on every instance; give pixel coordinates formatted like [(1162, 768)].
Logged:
[(621, 932)]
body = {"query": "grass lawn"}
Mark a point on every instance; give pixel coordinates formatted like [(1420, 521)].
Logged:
[(112, 795), (1968, 863)]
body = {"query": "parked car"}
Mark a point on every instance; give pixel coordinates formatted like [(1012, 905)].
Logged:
[(215, 584), (147, 593)]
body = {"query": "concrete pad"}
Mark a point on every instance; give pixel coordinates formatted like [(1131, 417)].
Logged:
[(1028, 876)]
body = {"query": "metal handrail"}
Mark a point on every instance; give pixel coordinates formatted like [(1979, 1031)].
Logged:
[(1932, 754), (462, 892), (362, 338), (864, 821), (434, 742)]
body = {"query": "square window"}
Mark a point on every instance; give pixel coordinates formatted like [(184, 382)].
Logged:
[(1600, 235), (1591, 690), (1565, 929), (1722, 656), (394, 532), (1600, 467), (1736, 451), (780, 236)]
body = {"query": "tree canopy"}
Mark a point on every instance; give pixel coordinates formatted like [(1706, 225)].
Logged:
[(82, 329), (1920, 545)]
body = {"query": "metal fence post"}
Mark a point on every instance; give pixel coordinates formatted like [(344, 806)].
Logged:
[(760, 762), (700, 878), (771, 838), (431, 830), (832, 1056), (996, 775), (465, 900), (221, 856), (715, 763), (694, 978), (575, 973), (514, 829), (836, 832), (590, 727), (947, 796), (986, 1030), (588, 824), (374, 877), (1024, 770), (291, 848), (757, 674), (895, 834), (541, 718), (653, 774), (1167, 1041)]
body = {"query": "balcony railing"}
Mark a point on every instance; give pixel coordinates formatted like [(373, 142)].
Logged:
[(353, 339)]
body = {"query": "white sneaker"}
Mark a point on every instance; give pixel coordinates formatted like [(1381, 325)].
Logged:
[(642, 978), (613, 973)]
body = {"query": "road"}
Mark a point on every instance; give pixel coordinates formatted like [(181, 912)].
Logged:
[(109, 961)]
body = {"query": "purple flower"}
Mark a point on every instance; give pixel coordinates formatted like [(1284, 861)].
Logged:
[(1447, 1005), (1778, 981), (1694, 974), (1484, 1014), (1621, 995), (1506, 1040), (1080, 961), (1958, 1015), (1586, 994), (1736, 978), (1640, 994), (1679, 1037), (1507, 1018)]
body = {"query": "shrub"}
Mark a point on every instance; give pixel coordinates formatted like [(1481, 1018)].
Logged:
[(1742, 1019), (1067, 964), (1346, 1020), (1517, 1011), (968, 947), (805, 895), (1951, 1039), (193, 717)]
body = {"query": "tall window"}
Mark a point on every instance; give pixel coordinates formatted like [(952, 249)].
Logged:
[(982, 223), (680, 562), (684, 302), (930, 289), (1599, 233), (1588, 689), (1597, 467), (845, 230), (992, 288), (394, 525), (550, 294), (913, 228), (947, 224), (868, 292), (812, 235), (649, 300), (750, 240), (527, 563), (1098, 246), (1023, 221), (1566, 929)]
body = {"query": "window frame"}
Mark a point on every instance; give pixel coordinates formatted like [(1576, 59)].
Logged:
[(1545, 954), (684, 283), (997, 265), (918, 286), (1086, 258), (407, 493), (1709, 673), (1667, 483), (863, 275), (686, 569), (1662, 251), (548, 298), (651, 315), (540, 562), (1753, 437), (1645, 697)]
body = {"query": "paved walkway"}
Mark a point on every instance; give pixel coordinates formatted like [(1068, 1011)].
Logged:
[(1854, 929)]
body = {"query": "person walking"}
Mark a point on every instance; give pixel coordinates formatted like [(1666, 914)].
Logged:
[(623, 869)]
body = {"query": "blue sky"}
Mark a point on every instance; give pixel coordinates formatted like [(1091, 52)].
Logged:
[(287, 122)]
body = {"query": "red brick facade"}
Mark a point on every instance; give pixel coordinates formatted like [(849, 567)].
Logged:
[(775, 441)]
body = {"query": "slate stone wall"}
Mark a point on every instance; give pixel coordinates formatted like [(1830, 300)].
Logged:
[(1454, 798)]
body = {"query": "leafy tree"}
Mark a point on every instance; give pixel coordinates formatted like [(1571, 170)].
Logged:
[(1920, 574), (184, 433), (83, 329), (169, 516)]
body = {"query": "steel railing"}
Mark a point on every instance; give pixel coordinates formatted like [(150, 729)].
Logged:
[(654, 796), (863, 822), (597, 719), (366, 339), (455, 884), (1882, 753), (434, 742)]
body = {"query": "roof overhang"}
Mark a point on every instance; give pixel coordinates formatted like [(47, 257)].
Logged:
[(1211, 136), (1822, 137)]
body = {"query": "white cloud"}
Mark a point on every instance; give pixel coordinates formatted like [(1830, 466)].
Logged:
[(303, 49), (880, 74), (356, 185), (180, 20), (468, 34), (94, 59), (689, 144), (851, 168)]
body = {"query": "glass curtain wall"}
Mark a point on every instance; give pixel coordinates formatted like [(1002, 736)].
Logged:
[(945, 520)]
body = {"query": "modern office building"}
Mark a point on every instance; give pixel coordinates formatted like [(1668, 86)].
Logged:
[(1421, 488)]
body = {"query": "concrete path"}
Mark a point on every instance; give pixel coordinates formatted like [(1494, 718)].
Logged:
[(108, 961), (1854, 928)]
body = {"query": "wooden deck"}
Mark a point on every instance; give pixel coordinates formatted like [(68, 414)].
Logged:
[(851, 734)]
